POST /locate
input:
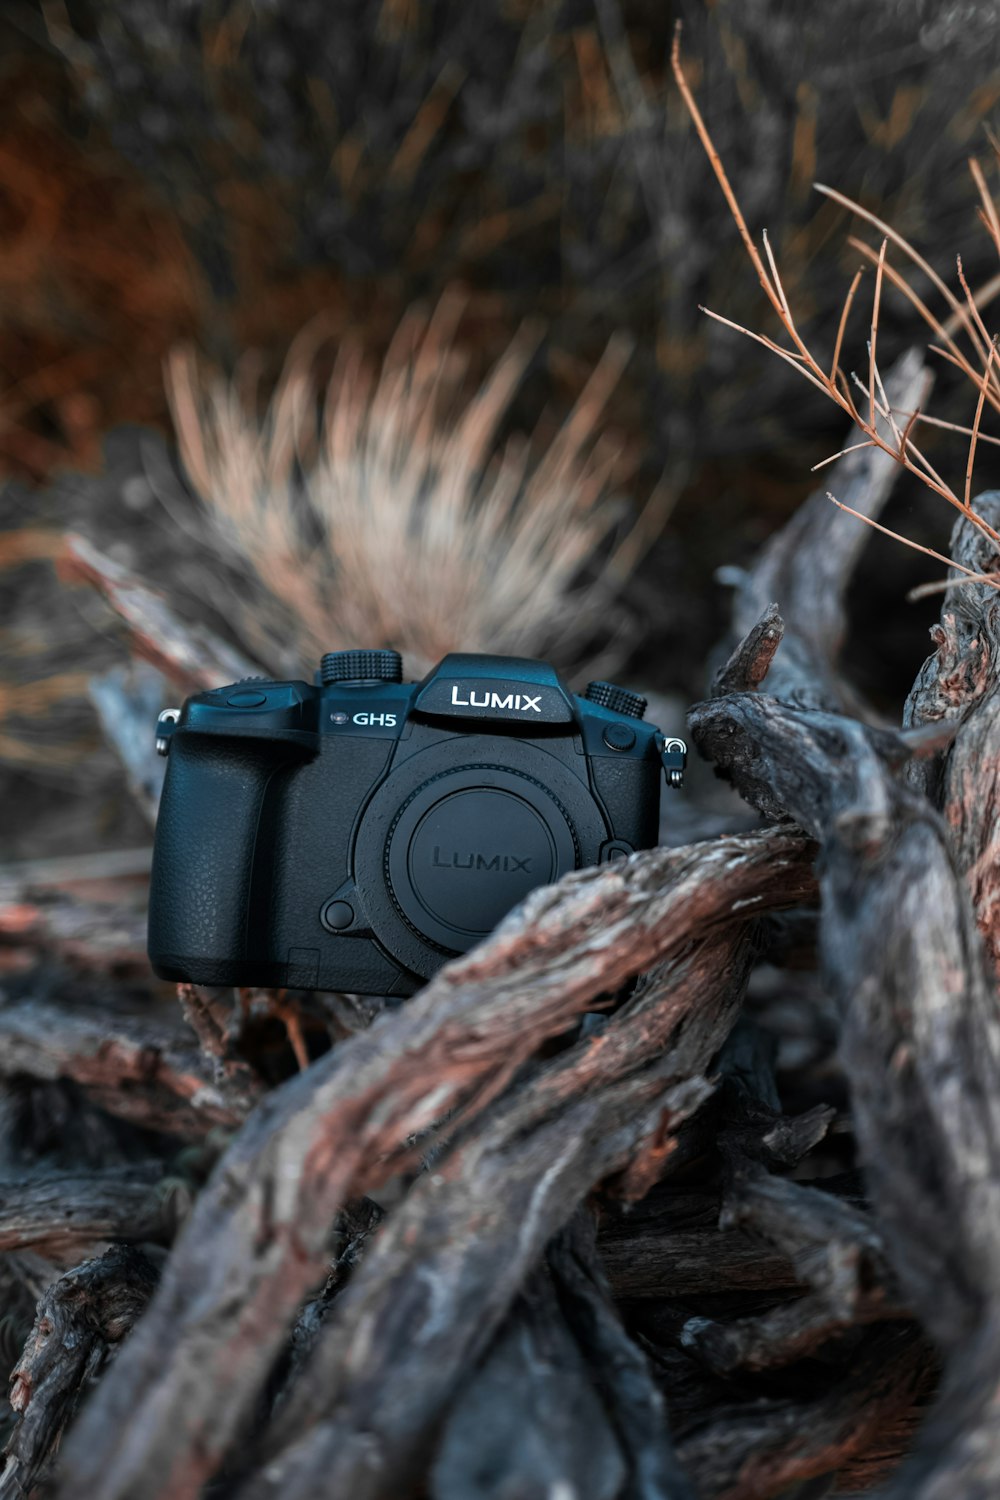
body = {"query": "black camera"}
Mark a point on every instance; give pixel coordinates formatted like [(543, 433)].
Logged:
[(355, 834)]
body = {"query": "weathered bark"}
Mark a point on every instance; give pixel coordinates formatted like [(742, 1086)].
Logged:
[(676, 1259), (921, 1039), (529, 1422), (738, 1440), (960, 685), (128, 700), (563, 1398), (832, 1247), (139, 1067), (805, 567), (468, 1232), (254, 1244), (190, 655), (353, 1228), (99, 936), (744, 1452), (80, 1321), (87, 910), (619, 1368), (60, 1214), (920, 1016)]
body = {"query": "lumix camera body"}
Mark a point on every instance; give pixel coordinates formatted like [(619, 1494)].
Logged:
[(356, 833)]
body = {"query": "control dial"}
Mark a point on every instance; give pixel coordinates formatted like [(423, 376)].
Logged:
[(618, 699), (361, 666)]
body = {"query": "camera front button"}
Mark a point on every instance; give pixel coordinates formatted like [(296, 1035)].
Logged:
[(337, 915)]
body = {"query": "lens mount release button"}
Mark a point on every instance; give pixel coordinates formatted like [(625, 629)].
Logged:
[(337, 915)]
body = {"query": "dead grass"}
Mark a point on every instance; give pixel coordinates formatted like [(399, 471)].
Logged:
[(964, 339), (397, 516)]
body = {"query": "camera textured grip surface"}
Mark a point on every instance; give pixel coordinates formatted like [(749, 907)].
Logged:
[(203, 855)]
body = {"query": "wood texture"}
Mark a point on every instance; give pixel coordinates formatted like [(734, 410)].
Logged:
[(347, 1125), (683, 1184)]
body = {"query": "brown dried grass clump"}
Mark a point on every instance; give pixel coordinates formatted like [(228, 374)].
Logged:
[(975, 357), (387, 509)]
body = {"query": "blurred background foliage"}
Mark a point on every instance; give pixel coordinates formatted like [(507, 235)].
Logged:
[(225, 175)]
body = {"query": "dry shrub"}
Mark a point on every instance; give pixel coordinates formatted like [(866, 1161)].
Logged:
[(964, 342), (385, 510), (369, 155)]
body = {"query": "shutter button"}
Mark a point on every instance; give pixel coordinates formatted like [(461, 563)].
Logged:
[(248, 698)]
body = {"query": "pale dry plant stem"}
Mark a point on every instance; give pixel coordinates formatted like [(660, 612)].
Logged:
[(887, 231), (975, 425), (966, 318)]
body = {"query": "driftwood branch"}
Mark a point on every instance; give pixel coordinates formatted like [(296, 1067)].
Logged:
[(192, 656), (960, 685), (128, 699), (80, 1321), (257, 1234), (805, 567), (137, 1066), (529, 1163), (833, 1247), (921, 1034), (106, 936), (62, 1213), (743, 1454)]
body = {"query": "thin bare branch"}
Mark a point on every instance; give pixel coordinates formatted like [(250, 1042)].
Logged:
[(975, 426), (845, 314), (986, 293), (915, 546), (854, 448), (910, 423), (835, 385), (989, 207), (774, 295), (971, 301), (720, 172), (777, 277), (918, 260), (922, 468), (942, 585), (924, 417), (941, 329), (794, 360), (874, 332)]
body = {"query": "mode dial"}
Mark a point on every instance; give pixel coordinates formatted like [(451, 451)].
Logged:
[(620, 700), (361, 666)]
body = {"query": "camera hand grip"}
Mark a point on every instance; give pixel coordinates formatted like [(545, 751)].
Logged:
[(210, 815)]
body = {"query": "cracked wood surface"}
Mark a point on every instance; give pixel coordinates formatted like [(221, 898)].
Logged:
[(254, 1244)]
